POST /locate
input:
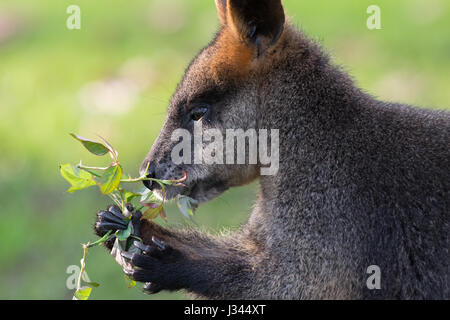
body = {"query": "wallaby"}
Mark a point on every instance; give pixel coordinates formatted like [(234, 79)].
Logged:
[(360, 183)]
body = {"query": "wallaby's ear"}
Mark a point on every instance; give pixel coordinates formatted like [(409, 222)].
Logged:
[(256, 22), (222, 10)]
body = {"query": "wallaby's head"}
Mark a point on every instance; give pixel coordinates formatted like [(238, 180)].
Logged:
[(220, 91)]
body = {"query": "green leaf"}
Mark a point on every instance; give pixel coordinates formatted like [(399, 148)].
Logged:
[(79, 179), (89, 282), (142, 190), (93, 284), (167, 182), (163, 215), (128, 196), (130, 282), (110, 179), (187, 206), (94, 147), (147, 196), (83, 293), (124, 234), (153, 211)]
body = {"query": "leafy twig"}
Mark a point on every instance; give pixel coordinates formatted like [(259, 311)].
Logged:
[(109, 180)]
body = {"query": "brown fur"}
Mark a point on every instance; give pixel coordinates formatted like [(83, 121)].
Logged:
[(232, 57)]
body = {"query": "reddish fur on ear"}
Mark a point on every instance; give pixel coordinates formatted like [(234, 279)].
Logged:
[(258, 22), (232, 57), (249, 28)]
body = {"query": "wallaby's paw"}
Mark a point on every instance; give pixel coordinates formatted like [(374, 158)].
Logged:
[(110, 219), (160, 266)]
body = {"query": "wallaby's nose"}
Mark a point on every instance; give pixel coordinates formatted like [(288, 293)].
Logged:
[(150, 174)]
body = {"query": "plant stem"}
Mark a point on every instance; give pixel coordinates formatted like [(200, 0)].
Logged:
[(140, 179), (85, 250), (83, 264), (99, 241), (116, 201), (90, 168)]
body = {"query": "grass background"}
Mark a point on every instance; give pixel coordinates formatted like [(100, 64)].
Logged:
[(115, 77)]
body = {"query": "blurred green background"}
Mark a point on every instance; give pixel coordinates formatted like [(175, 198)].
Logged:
[(115, 76)]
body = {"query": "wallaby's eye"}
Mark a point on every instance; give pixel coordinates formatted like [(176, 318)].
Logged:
[(198, 112)]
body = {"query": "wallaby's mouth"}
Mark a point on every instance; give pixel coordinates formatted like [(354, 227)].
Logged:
[(206, 191), (202, 191)]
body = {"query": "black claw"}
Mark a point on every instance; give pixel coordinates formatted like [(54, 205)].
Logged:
[(107, 226), (108, 216), (136, 221), (126, 255), (143, 247), (128, 272), (160, 244), (104, 227), (116, 211), (151, 288)]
